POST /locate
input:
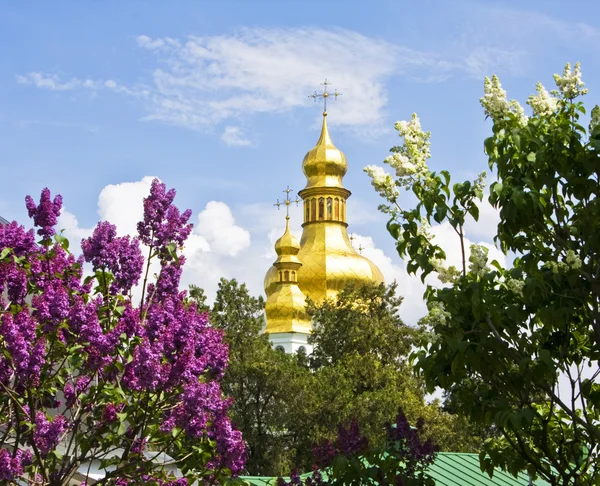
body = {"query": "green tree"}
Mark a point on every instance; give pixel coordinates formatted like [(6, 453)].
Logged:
[(509, 337), (360, 358), (270, 388)]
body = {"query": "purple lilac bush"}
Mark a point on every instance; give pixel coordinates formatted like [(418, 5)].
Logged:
[(349, 460), (88, 374)]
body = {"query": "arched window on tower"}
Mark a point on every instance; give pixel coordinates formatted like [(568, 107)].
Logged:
[(280, 348), (329, 209), (343, 210), (321, 208), (313, 209), (336, 209), (280, 276), (306, 211), (293, 275), (286, 275)]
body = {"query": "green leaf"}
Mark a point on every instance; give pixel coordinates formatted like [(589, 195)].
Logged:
[(5, 253)]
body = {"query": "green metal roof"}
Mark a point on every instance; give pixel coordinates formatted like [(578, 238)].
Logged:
[(448, 469)]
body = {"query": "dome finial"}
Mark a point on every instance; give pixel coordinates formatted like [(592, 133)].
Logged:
[(286, 202), (324, 95)]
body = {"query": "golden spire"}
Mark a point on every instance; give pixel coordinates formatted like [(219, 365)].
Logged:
[(324, 165)]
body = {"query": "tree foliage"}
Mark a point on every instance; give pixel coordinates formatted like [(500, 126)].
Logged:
[(517, 347), (284, 404)]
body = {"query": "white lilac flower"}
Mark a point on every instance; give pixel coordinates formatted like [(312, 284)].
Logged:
[(410, 159), (445, 274), (572, 260), (495, 104), (478, 260), (494, 100), (595, 117), (382, 182), (570, 83), (479, 183), (437, 314), (425, 229), (515, 286), (543, 103)]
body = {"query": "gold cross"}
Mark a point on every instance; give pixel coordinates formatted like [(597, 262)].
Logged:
[(352, 238), (360, 248), (324, 95), (286, 202)]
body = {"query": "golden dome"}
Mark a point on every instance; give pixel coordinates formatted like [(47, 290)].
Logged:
[(285, 307), (324, 164), (286, 310), (287, 244), (324, 261), (328, 263)]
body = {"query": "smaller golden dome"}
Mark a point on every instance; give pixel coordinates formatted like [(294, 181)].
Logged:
[(287, 244), (324, 165)]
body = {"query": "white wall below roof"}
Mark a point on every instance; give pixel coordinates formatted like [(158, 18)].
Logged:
[(291, 341)]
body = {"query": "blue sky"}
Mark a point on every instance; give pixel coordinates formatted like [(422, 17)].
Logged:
[(212, 98)]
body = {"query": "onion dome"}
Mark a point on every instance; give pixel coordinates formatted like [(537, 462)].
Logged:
[(324, 164), (285, 308)]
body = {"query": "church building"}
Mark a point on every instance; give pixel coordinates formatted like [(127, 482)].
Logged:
[(323, 262)]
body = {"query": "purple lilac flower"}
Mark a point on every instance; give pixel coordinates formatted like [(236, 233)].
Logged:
[(120, 255), (110, 413), (12, 467), (14, 236), (27, 354), (350, 441), (163, 224), (45, 215), (230, 446), (324, 453), (47, 434)]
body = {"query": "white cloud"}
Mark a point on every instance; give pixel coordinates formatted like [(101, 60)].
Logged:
[(53, 81), (204, 81), (234, 136), (122, 204), (217, 225)]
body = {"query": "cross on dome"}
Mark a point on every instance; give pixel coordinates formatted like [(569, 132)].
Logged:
[(286, 202), (325, 95)]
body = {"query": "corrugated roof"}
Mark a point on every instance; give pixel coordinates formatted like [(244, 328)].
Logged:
[(449, 469)]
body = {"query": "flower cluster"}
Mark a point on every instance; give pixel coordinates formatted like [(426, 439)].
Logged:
[(406, 441), (478, 260), (594, 117), (495, 104), (410, 159), (543, 103), (46, 213), (515, 286), (12, 467), (570, 83), (162, 223), (47, 434), (437, 316), (382, 182), (119, 255)]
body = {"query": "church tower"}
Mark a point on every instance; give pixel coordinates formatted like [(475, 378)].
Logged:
[(328, 260)]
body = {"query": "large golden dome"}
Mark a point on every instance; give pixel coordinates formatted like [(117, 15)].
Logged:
[(329, 262), (324, 164)]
